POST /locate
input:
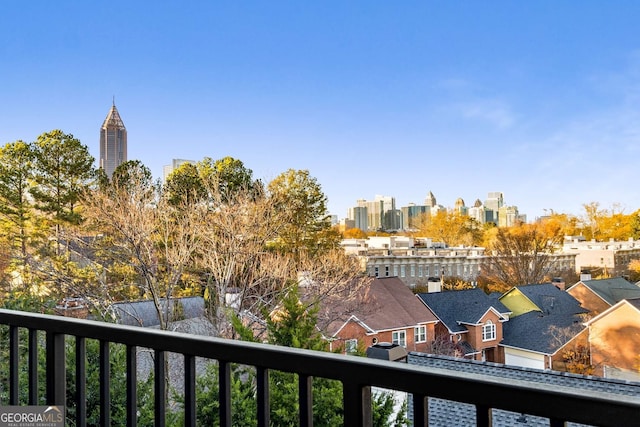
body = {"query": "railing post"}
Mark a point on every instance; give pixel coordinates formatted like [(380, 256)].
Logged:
[(420, 410), (33, 367), (160, 378), (105, 381), (132, 386), (305, 399), (189, 391), (357, 405), (224, 393), (56, 375), (81, 382), (262, 383), (14, 357), (483, 416)]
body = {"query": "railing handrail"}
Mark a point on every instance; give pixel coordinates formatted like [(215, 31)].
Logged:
[(560, 402)]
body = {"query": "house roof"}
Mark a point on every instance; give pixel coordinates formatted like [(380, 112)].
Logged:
[(612, 290), (455, 308), (549, 299), (545, 331), (540, 332), (447, 412), (144, 313), (387, 303)]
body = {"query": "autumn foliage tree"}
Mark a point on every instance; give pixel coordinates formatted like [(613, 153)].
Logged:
[(521, 255), (451, 228)]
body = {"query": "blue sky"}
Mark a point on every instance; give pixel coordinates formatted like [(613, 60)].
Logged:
[(539, 100)]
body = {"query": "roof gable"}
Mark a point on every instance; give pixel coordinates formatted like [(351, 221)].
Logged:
[(455, 308), (634, 303), (518, 302), (612, 290), (548, 299), (387, 304)]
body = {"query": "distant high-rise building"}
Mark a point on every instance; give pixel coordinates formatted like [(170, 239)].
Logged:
[(113, 142), (413, 215), (359, 215), (175, 164), (381, 214), (430, 200), (460, 208), (492, 205)]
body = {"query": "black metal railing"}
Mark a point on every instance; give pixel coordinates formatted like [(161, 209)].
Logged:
[(357, 375)]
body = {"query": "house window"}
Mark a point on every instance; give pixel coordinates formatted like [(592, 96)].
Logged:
[(377, 273), (488, 331), (402, 271), (420, 334), (419, 271), (413, 270), (386, 271), (351, 346), (399, 337), (395, 270)]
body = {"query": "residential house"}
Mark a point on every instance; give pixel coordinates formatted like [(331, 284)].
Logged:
[(601, 294), (471, 320), (544, 322), (387, 311), (614, 341)]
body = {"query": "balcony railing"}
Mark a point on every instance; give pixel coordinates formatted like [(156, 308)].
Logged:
[(357, 375)]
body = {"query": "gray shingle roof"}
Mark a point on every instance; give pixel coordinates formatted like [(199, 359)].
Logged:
[(547, 330), (449, 413), (543, 333), (550, 299), (613, 290), (467, 306), (143, 313)]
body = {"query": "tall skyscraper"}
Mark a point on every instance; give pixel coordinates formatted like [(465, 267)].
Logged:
[(113, 142)]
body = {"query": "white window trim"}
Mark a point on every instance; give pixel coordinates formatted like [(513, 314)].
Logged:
[(488, 331), (420, 331), (396, 337), (353, 343)]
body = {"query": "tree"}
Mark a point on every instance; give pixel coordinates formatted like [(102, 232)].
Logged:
[(634, 270), (293, 324), (234, 238), (520, 255), (62, 170), (185, 185), (299, 198), (451, 228), (635, 225), (354, 233), (146, 232), (15, 207), (228, 176)]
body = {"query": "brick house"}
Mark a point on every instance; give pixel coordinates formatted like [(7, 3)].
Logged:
[(471, 320), (545, 321), (387, 311), (602, 294)]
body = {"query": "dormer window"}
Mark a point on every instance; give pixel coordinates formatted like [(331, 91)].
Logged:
[(488, 331)]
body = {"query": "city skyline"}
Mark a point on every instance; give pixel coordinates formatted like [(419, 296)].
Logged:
[(537, 101)]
